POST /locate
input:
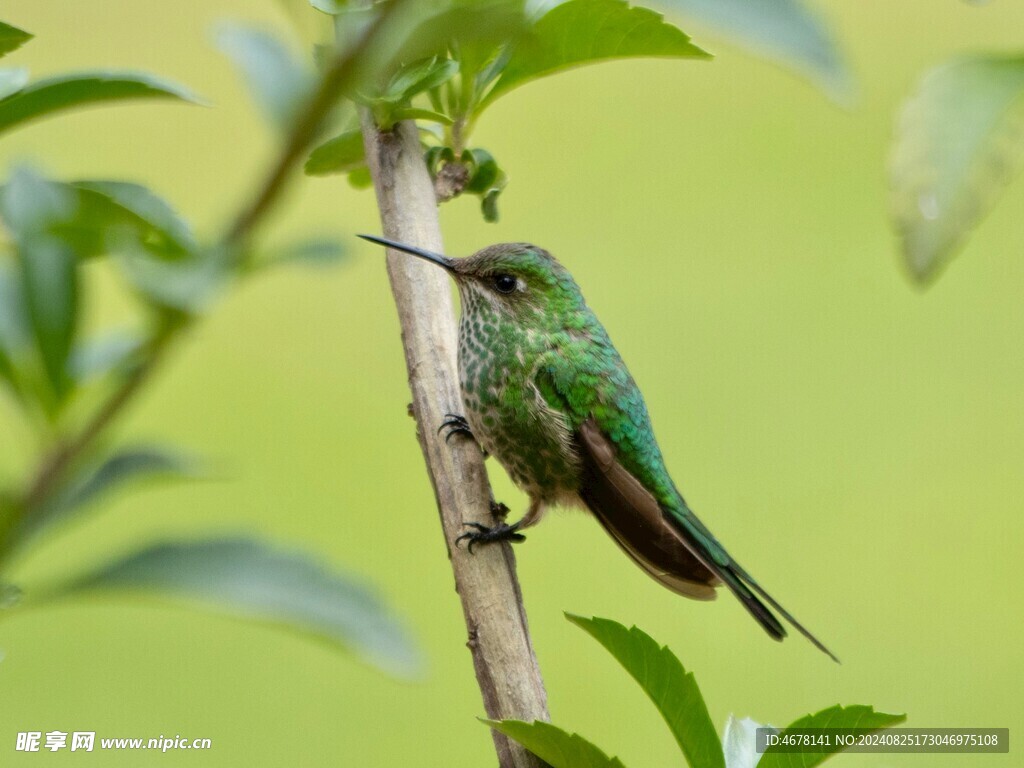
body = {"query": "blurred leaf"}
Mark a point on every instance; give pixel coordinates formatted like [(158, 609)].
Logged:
[(586, 31), (278, 81), (341, 154), (249, 579), (855, 716), (319, 252), (663, 678), (312, 28), (100, 355), (328, 6), (739, 742), (126, 467), (14, 331), (322, 56), (55, 94), (7, 370), (12, 80), (187, 285), (360, 178), (350, 22), (12, 38), (44, 304), (94, 217), (50, 285), (31, 204), (554, 746), (162, 228), (958, 142), (10, 596), (783, 31)]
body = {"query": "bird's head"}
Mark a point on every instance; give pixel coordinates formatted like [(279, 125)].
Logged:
[(517, 280)]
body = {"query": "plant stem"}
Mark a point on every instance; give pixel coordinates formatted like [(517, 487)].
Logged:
[(499, 639)]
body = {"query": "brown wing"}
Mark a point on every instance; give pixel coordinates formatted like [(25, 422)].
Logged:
[(632, 517)]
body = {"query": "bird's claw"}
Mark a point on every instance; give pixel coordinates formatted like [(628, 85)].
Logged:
[(484, 535), (456, 425)]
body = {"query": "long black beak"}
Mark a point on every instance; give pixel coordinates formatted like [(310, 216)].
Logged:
[(437, 258)]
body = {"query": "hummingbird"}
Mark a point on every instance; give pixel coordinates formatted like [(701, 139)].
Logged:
[(546, 393)]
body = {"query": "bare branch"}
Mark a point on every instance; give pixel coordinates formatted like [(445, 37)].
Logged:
[(499, 639)]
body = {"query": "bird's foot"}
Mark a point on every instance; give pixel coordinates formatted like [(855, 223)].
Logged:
[(499, 510), (484, 535), (456, 425)]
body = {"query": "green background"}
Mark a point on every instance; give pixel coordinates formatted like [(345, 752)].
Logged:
[(856, 443)]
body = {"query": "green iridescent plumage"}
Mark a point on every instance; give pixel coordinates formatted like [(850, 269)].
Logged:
[(546, 393)]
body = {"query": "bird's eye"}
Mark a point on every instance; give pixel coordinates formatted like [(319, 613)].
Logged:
[(504, 283)]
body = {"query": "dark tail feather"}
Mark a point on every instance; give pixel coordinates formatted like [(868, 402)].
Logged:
[(742, 584), (754, 607), (746, 577), (671, 544)]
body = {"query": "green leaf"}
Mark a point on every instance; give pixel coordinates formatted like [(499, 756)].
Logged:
[(12, 80), (12, 38), (415, 113), (435, 155), (483, 170), (341, 154), (489, 206), (558, 748), (160, 228), (8, 371), (127, 467), (855, 716), (959, 141), (14, 331), (410, 79), (663, 678), (471, 29), (30, 204), (739, 742), (331, 7), (96, 217), (783, 31), (418, 76), (278, 81), (246, 578), (360, 178), (586, 31), (56, 94), (99, 356), (50, 286), (188, 285)]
